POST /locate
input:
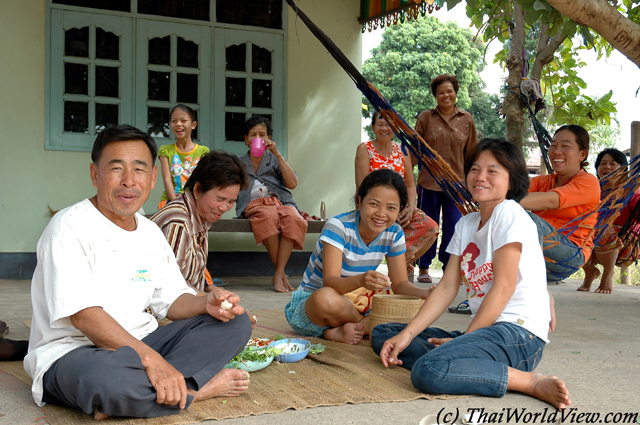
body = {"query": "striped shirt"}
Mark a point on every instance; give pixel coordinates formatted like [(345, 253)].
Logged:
[(342, 232), (187, 234)]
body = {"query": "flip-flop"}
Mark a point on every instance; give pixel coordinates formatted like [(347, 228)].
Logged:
[(462, 308), (218, 282), (425, 278)]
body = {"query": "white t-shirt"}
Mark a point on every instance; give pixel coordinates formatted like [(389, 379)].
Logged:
[(529, 306), (85, 260)]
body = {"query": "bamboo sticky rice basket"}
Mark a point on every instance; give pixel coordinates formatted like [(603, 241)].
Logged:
[(391, 308)]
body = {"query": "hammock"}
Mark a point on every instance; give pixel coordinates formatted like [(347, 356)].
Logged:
[(621, 185), (608, 209), (411, 141)]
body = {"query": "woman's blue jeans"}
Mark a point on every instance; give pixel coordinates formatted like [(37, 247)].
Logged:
[(567, 255), (474, 363)]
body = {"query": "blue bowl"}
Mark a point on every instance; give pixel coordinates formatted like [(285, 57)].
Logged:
[(293, 349)]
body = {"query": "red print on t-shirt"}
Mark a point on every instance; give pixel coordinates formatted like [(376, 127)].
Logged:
[(472, 276)]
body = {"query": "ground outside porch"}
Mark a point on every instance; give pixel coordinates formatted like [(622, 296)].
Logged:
[(595, 350)]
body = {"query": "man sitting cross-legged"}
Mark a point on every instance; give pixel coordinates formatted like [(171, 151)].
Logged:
[(100, 266)]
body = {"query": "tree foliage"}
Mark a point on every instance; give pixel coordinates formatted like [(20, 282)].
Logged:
[(412, 54), (551, 43)]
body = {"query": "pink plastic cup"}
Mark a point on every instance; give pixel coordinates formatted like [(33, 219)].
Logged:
[(257, 147)]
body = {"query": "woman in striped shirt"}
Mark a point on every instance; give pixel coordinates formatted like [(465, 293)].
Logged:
[(352, 245)]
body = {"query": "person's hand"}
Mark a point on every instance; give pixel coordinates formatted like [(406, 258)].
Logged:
[(271, 146), (392, 348), (169, 384), (438, 341), (374, 281), (405, 215), (216, 297)]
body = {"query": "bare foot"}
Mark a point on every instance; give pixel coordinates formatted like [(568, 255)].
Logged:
[(550, 389), (278, 284), (285, 280), (349, 333), (590, 274), (99, 416), (604, 288), (227, 383)]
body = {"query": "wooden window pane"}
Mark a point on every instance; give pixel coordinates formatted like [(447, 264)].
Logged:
[(187, 53), (159, 85), (76, 42), (187, 88), (106, 116), (236, 91), (119, 5), (158, 122), (261, 92), (107, 83), (234, 126), (76, 117), (160, 51), (75, 78), (260, 60), (236, 57), (191, 9), (107, 45), (259, 13)]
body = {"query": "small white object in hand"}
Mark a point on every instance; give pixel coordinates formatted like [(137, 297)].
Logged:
[(226, 305)]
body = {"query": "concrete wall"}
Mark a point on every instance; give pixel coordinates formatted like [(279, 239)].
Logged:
[(323, 108)]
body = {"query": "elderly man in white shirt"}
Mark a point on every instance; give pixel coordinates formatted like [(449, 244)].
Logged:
[(93, 345)]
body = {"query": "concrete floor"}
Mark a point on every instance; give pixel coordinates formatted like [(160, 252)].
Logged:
[(595, 349)]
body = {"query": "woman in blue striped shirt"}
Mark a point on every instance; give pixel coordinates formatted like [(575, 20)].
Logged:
[(352, 245)]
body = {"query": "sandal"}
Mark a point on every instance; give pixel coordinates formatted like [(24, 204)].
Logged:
[(462, 308), (425, 278), (219, 282)]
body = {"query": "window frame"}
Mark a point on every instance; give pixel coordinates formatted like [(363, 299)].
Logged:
[(133, 75)]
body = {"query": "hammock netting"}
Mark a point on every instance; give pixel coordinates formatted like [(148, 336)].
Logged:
[(617, 190), (624, 183)]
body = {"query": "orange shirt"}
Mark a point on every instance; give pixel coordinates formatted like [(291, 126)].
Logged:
[(577, 196)]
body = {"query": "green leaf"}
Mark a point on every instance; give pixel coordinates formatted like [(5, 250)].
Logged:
[(538, 5), (575, 352), (316, 348)]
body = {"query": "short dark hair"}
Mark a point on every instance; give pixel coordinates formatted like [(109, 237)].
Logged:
[(508, 156), (582, 138), (383, 177), (122, 133), (255, 120), (182, 107), (218, 169), (617, 155), (444, 78), (374, 118)]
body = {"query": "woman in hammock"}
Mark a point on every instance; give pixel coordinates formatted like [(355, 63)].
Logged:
[(420, 231), (557, 198), (607, 252)]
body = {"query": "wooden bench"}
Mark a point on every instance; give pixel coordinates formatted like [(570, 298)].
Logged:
[(248, 263), (243, 225)]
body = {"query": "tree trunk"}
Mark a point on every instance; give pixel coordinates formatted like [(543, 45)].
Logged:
[(512, 105), (622, 33)]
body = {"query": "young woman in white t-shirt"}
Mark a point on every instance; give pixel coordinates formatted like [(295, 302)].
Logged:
[(505, 279)]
